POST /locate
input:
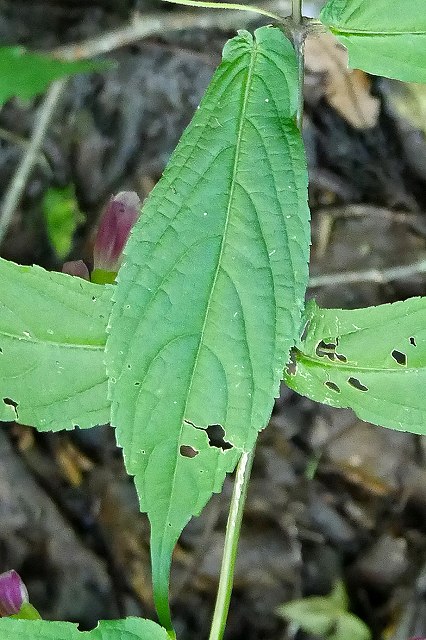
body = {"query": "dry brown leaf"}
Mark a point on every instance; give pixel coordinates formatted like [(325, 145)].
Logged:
[(347, 90)]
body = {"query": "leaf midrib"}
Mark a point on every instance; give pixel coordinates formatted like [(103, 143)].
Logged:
[(230, 200)]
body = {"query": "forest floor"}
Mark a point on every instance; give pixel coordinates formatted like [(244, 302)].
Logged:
[(331, 497)]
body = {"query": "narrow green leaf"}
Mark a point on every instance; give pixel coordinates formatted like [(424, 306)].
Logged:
[(27, 612), (52, 341), (24, 74), (128, 629), (372, 360), (350, 626), (209, 299), (383, 38), (62, 215)]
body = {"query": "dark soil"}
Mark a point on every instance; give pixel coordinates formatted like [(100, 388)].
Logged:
[(69, 516)]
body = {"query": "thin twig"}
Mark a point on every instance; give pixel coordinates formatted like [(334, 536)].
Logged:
[(156, 24), (17, 185), (369, 275)]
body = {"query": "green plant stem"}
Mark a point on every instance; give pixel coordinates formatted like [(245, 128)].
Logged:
[(299, 44), (232, 536), (298, 33), (296, 11)]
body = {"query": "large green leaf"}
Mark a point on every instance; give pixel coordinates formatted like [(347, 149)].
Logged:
[(372, 360), (128, 629), (24, 74), (209, 298), (384, 37), (52, 341)]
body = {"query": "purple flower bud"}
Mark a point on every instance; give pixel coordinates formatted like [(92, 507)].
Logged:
[(76, 268), (13, 593), (116, 222)]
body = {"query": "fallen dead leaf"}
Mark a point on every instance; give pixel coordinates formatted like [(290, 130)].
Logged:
[(347, 90)]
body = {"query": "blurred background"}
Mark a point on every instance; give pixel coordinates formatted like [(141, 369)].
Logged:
[(331, 498)]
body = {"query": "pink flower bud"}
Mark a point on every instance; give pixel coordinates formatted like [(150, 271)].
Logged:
[(13, 593), (119, 216), (76, 268)]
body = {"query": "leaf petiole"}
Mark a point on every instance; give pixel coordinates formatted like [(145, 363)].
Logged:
[(233, 528)]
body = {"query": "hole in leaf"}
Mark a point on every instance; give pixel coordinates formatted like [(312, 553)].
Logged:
[(328, 350), (292, 364), (399, 357), (187, 451), (356, 384), (1, 350), (10, 402), (216, 436), (305, 331), (413, 341), (137, 384), (332, 386)]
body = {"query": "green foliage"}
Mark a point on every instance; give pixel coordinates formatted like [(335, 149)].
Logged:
[(24, 74), (209, 298), (52, 340), (62, 217), (326, 616), (208, 303), (128, 629), (372, 360), (382, 37), (27, 612)]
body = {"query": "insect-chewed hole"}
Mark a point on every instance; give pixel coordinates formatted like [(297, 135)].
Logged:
[(187, 451), (10, 402), (1, 350), (356, 384), (413, 341), (305, 330), (332, 386), (292, 364), (216, 436), (328, 350), (399, 357)]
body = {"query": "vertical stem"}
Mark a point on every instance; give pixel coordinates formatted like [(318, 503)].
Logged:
[(233, 528), (299, 33), (299, 44), (16, 188), (296, 11)]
